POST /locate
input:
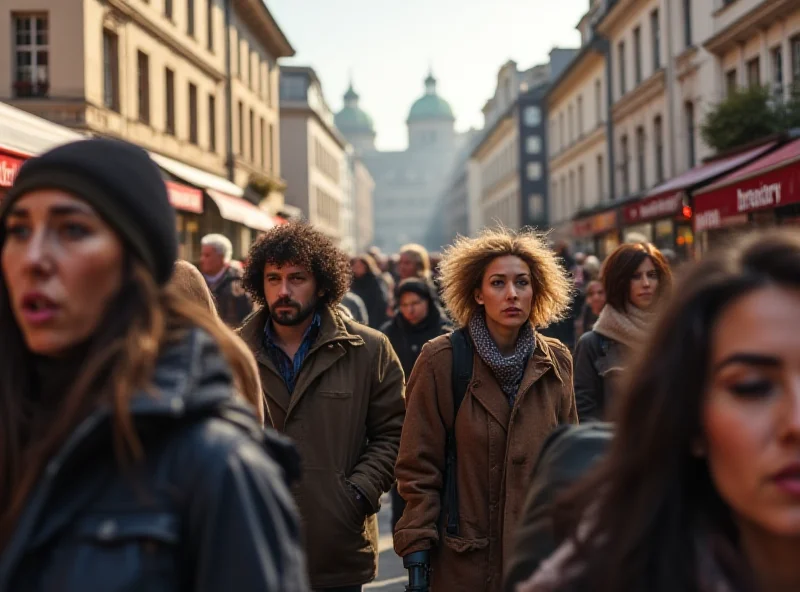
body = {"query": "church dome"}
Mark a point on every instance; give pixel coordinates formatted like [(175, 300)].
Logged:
[(353, 119), (430, 106)]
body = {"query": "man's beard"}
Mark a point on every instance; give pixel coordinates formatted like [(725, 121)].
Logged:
[(296, 316)]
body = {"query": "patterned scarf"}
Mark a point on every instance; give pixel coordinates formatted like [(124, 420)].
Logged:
[(507, 370), (631, 328)]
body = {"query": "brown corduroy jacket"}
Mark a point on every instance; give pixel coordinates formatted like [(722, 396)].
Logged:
[(496, 447)]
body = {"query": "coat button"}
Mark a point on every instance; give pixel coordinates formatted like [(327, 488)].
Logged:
[(107, 530)]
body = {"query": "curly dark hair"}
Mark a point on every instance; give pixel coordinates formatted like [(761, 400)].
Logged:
[(298, 243)]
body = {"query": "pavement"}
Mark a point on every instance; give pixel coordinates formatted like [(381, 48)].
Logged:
[(392, 577)]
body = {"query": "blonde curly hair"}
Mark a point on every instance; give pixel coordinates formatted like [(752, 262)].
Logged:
[(464, 264)]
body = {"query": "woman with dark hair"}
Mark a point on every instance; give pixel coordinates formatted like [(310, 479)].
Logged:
[(700, 488), (500, 288), (635, 278), (369, 286), (595, 301), (127, 459)]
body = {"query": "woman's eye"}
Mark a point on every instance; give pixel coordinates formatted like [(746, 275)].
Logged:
[(653, 275), (752, 388), (523, 283), (75, 231), (497, 283), (17, 231)]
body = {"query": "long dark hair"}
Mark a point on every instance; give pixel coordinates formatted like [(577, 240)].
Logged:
[(658, 497), (120, 360), (620, 266)]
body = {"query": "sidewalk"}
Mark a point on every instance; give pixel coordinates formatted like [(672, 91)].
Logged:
[(391, 575)]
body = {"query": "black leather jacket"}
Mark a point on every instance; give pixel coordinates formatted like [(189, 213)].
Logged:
[(208, 510), (599, 363)]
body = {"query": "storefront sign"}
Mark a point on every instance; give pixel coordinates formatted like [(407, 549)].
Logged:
[(654, 207), (731, 204), (9, 167), (185, 198), (597, 224)]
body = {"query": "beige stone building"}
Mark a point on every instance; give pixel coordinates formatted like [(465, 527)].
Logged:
[(363, 211), (162, 74), (314, 154)]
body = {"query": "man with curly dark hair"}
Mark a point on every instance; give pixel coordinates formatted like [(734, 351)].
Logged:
[(333, 385)]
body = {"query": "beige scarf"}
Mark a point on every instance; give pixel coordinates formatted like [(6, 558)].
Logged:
[(630, 328)]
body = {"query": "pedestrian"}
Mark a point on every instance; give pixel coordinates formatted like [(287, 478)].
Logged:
[(636, 281), (414, 262), (336, 388), (127, 461), (564, 328), (419, 321), (498, 288), (595, 301), (354, 307), (224, 279), (189, 282), (699, 491), (369, 286)]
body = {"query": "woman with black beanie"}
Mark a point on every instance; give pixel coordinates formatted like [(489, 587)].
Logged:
[(127, 459)]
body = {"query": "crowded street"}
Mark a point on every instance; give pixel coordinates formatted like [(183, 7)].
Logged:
[(433, 296)]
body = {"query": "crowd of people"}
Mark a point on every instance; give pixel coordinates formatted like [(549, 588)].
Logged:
[(545, 422)]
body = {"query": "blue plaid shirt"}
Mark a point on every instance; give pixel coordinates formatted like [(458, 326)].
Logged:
[(288, 368)]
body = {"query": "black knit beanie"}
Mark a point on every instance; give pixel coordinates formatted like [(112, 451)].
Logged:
[(121, 182), (417, 286)]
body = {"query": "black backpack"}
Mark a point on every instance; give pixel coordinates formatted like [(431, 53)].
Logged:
[(461, 376)]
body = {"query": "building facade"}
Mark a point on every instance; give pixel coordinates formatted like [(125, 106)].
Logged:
[(315, 155), (195, 85), (408, 183)]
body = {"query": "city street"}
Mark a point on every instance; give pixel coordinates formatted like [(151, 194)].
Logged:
[(391, 575)]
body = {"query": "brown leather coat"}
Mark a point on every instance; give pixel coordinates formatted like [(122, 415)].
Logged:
[(345, 416), (496, 448)]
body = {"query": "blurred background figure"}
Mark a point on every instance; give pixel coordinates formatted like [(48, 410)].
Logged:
[(224, 279), (635, 279), (414, 262), (591, 267), (595, 301), (564, 329), (369, 286)]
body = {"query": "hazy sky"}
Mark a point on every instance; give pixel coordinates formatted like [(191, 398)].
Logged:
[(389, 44)]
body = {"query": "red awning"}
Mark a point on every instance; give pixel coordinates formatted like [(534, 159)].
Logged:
[(667, 198), (9, 167), (183, 197), (769, 182), (239, 210)]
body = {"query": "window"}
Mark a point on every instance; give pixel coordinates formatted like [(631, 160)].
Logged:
[(32, 71), (533, 116), (249, 58), (655, 29), (570, 125), (193, 114), (534, 171), (271, 147), (754, 72), (689, 112), (169, 88), (210, 25), (641, 150), (572, 195), (777, 71), (621, 67), (795, 49), (533, 145), (687, 23), (212, 123), (143, 78), (637, 55), (241, 128), (658, 133), (731, 83), (536, 207), (262, 129), (624, 153), (601, 185), (110, 70), (562, 139), (190, 17), (579, 110), (268, 84), (581, 188), (598, 100), (168, 9), (252, 136)]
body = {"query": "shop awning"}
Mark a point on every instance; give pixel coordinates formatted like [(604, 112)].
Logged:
[(771, 181), (667, 198), (9, 167), (197, 177), (28, 135), (239, 210)]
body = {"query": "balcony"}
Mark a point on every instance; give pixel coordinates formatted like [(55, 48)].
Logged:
[(28, 89)]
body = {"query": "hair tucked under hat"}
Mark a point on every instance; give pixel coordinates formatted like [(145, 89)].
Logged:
[(121, 182)]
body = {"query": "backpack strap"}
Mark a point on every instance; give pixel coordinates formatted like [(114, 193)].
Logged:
[(461, 376)]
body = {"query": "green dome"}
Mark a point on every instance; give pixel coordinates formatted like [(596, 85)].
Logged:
[(353, 119), (431, 105)]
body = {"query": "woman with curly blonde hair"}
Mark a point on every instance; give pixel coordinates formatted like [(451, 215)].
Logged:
[(499, 288)]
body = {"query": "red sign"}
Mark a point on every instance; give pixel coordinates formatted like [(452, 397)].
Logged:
[(9, 167), (659, 206), (769, 190), (185, 198), (597, 224)]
